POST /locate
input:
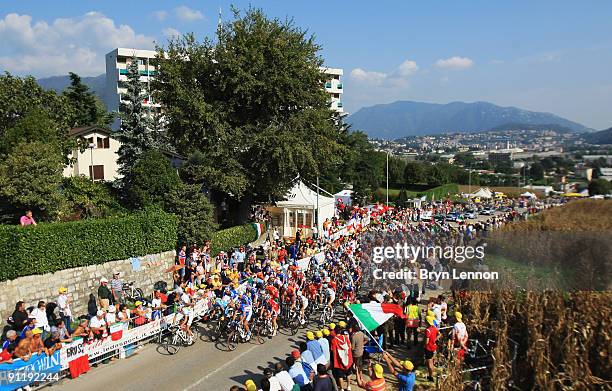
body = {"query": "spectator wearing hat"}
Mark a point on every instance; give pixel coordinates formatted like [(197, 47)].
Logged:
[(460, 336), (404, 373), (431, 334), (342, 356), (377, 382), (315, 349), (63, 302), (284, 378), (111, 315), (321, 340), (250, 385), (117, 288), (104, 294), (297, 370), (37, 346), (98, 325)]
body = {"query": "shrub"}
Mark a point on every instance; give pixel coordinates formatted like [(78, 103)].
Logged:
[(236, 236), (48, 248)]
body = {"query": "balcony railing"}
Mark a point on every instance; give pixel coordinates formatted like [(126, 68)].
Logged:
[(142, 73), (328, 85), (339, 86)]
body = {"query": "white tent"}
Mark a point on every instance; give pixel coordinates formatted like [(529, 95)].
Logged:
[(528, 195), (298, 210), (346, 197), (483, 192)]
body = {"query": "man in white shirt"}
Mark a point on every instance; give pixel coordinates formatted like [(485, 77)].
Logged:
[(283, 377), (97, 325), (274, 382), (63, 303)]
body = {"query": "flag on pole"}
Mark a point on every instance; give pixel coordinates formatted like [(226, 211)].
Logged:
[(372, 315), (258, 228)]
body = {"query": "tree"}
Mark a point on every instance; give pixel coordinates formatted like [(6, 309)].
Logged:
[(536, 171), (396, 171), (402, 198), (195, 212), (252, 103), (85, 198), (150, 181), (35, 125), (438, 175), (85, 107), (30, 178), (135, 134), (414, 172), (599, 186)]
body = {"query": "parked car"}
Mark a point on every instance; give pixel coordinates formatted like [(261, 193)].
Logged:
[(469, 215), (487, 212)]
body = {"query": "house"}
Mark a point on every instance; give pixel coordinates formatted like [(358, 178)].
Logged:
[(99, 159)]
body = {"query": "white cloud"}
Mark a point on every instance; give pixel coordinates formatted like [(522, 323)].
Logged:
[(368, 76), (397, 78), (455, 62), (407, 68), (171, 32), (64, 45), (187, 14), (160, 15)]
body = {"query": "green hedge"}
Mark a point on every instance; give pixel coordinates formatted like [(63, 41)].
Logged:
[(225, 239), (51, 247)]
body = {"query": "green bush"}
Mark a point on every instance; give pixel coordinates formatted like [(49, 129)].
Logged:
[(236, 236), (51, 247)]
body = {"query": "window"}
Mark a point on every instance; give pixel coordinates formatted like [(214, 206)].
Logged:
[(98, 172), (90, 141), (103, 142)]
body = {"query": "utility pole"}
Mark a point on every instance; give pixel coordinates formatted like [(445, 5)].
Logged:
[(317, 215), (470, 178)]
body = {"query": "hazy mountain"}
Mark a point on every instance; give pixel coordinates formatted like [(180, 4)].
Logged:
[(97, 84), (542, 127), (407, 118), (601, 137)]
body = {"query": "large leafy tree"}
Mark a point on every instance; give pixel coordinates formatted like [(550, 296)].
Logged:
[(30, 178), (252, 104), (415, 172), (195, 212), (85, 107)]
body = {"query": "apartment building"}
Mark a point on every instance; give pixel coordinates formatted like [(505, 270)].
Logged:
[(117, 62), (334, 87)]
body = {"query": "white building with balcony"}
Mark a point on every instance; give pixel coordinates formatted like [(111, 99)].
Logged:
[(334, 87), (117, 62)]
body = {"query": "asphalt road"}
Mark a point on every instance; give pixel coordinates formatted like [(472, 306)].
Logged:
[(202, 366)]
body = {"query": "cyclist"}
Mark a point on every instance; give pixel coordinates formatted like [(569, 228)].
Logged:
[(302, 303), (246, 308), (330, 292)]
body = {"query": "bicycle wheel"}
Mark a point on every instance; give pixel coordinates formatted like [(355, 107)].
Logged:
[(232, 340), (259, 332), (139, 293), (167, 342), (294, 325)]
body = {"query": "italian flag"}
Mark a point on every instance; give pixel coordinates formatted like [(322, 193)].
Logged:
[(116, 331), (258, 228), (372, 315)]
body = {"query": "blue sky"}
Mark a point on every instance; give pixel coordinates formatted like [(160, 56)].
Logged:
[(553, 56)]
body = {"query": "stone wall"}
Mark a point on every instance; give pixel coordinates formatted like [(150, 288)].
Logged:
[(82, 281)]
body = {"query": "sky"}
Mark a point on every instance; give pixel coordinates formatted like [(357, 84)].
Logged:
[(553, 56)]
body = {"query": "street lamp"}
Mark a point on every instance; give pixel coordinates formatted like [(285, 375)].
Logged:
[(387, 178), (91, 169)]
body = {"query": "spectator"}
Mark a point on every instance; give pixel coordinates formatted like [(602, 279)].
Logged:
[(37, 346), (117, 288), (53, 343), (124, 313), (324, 344), (51, 316), (92, 307), (104, 294), (323, 381), (460, 336), (40, 314), (27, 219), (431, 334), (377, 382), (22, 350), (274, 384), (265, 384), (250, 385), (83, 330), (63, 302), (60, 327), (19, 317), (306, 357), (342, 356), (297, 372), (6, 356), (358, 341), (284, 378), (11, 340), (315, 349), (111, 315), (405, 376), (97, 325), (29, 326)]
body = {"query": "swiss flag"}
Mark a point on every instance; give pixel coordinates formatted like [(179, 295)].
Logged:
[(79, 365), (116, 331)]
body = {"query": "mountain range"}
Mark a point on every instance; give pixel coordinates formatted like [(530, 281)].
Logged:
[(407, 118), (603, 137), (97, 84)]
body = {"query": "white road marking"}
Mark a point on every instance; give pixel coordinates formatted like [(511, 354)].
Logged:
[(220, 368)]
